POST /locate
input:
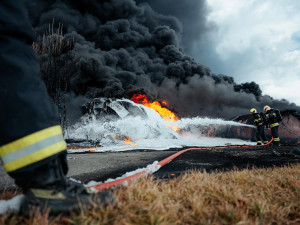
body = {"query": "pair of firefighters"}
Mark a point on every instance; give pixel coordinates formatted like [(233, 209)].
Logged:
[(271, 119)]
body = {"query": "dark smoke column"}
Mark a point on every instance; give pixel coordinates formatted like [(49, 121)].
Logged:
[(121, 47)]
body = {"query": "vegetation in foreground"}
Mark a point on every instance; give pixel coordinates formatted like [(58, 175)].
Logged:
[(258, 196)]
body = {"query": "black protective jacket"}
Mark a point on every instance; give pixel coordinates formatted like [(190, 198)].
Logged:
[(273, 117), (259, 119), (29, 130)]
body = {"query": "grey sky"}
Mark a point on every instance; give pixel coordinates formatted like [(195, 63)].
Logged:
[(260, 41)]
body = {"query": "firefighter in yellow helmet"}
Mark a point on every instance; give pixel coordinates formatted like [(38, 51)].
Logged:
[(273, 117), (259, 121), (32, 147)]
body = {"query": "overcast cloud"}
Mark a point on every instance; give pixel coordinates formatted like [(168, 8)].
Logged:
[(255, 40)]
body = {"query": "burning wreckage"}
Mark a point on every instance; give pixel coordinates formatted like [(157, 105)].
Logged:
[(107, 115), (108, 111), (111, 120)]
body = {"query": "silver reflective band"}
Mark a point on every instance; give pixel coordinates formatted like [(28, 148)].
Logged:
[(10, 157)]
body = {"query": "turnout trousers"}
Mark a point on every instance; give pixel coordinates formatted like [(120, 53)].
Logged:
[(30, 136), (274, 131), (260, 135)]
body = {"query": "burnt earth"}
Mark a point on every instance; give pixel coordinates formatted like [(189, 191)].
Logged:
[(222, 160), (209, 160)]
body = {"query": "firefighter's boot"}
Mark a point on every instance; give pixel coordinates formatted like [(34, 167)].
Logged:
[(51, 190)]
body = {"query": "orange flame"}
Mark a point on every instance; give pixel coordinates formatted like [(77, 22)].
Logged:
[(128, 141), (162, 111)]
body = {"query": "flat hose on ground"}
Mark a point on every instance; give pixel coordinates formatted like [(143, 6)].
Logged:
[(163, 162)]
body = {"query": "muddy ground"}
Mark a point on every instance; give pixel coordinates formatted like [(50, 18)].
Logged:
[(101, 166)]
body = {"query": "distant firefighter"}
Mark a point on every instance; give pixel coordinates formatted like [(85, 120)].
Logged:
[(259, 121), (273, 117)]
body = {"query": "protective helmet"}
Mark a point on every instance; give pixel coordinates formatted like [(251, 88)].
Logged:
[(267, 108), (253, 110)]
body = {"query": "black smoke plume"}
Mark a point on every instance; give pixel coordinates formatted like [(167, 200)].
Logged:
[(191, 13), (120, 47)]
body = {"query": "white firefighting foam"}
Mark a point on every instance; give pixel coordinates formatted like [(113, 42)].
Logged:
[(152, 132), (11, 205), (151, 168)]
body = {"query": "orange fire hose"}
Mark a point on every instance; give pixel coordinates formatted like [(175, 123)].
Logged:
[(163, 162)]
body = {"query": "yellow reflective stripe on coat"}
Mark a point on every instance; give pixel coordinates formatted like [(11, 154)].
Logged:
[(276, 139), (32, 148), (274, 125)]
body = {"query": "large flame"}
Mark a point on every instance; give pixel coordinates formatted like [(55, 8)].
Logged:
[(162, 111)]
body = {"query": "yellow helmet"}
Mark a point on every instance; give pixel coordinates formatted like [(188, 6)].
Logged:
[(253, 110), (267, 108)]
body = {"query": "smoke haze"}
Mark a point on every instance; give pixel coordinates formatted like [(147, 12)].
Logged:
[(124, 46)]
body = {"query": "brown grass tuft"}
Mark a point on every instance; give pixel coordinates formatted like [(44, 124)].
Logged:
[(258, 196)]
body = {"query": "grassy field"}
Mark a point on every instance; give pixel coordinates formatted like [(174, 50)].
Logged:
[(256, 196)]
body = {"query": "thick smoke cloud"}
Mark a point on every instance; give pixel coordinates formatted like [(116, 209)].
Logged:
[(121, 47), (191, 13)]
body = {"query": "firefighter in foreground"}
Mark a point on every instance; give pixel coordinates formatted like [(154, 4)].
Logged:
[(259, 121), (32, 147), (274, 118)]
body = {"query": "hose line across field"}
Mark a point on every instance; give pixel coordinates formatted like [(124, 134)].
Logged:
[(121, 181)]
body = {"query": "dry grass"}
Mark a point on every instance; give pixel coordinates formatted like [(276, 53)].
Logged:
[(258, 196), (53, 42)]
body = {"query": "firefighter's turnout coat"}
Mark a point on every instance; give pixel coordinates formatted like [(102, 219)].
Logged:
[(274, 117), (29, 131), (259, 121)]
